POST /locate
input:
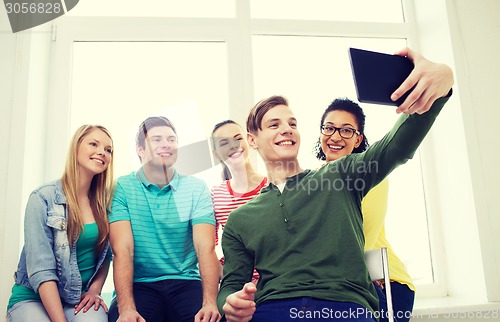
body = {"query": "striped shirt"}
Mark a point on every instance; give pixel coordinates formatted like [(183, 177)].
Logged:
[(225, 200), (161, 221)]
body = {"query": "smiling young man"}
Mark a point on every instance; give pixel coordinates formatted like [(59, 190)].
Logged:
[(310, 253), (162, 235)]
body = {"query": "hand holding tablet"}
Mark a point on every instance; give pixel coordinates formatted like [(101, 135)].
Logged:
[(377, 75)]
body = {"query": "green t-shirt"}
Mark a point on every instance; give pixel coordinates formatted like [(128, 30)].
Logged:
[(86, 258), (86, 252)]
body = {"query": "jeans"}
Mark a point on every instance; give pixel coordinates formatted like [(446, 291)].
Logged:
[(310, 310), (165, 301), (35, 311), (402, 302)]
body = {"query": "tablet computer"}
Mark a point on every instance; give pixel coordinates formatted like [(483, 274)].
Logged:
[(377, 75)]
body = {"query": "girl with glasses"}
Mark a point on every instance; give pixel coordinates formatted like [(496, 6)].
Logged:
[(342, 133)]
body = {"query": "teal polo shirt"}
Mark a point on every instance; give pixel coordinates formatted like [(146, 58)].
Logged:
[(162, 224)]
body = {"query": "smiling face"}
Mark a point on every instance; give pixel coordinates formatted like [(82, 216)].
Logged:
[(160, 147), (335, 146), (94, 153), (278, 139), (231, 146)]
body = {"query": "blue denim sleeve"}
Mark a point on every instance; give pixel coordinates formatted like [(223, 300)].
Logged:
[(39, 241)]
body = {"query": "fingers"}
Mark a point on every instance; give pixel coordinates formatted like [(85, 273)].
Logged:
[(130, 316), (240, 306), (427, 82), (208, 316), (208, 313), (379, 284), (249, 290), (406, 86), (98, 302), (238, 315), (407, 52), (410, 82), (88, 301), (416, 101), (84, 304), (79, 306), (104, 306)]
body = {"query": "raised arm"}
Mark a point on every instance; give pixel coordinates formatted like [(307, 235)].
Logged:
[(204, 244), (431, 81)]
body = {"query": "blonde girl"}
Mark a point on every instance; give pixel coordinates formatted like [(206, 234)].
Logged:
[(65, 258)]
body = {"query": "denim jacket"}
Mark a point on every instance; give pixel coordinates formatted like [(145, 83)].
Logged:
[(46, 255)]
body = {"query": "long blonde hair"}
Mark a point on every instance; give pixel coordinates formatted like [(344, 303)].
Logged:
[(100, 191)]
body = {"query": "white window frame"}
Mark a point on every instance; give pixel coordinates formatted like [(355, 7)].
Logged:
[(432, 28), (236, 33), (34, 109)]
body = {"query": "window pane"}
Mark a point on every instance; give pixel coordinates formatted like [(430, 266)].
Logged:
[(155, 8), (119, 84), (311, 72), (332, 10)]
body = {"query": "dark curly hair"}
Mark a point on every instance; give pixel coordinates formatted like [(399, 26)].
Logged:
[(346, 105)]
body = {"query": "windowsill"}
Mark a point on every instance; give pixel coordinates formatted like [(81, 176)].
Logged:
[(455, 307)]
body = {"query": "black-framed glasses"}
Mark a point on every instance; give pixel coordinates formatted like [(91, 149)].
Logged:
[(344, 132)]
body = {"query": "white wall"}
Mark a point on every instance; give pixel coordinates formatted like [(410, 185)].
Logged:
[(7, 71), (475, 40), (7, 43), (476, 46), (450, 200), (470, 231), (24, 66)]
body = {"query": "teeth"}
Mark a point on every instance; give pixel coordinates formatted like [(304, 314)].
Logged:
[(98, 160), (335, 147), (285, 143)]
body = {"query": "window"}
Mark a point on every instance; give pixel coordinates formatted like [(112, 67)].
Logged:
[(155, 8), (218, 69), (119, 84), (311, 72), (331, 10)]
